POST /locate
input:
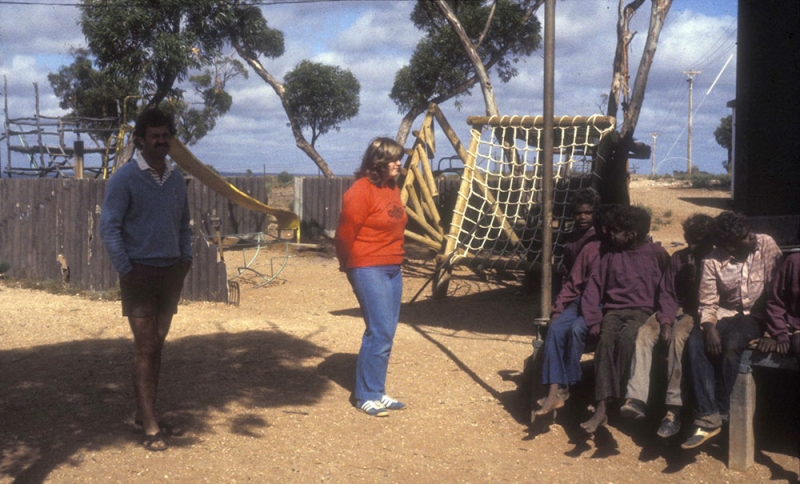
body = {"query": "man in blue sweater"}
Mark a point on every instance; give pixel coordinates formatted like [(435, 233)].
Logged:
[(145, 229)]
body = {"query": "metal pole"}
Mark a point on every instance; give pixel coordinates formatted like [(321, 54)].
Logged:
[(653, 156), (547, 157), (691, 75)]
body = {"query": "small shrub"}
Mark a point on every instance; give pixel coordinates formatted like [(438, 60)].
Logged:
[(4, 266), (285, 179), (668, 214)]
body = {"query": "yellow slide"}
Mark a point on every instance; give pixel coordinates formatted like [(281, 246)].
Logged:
[(186, 160)]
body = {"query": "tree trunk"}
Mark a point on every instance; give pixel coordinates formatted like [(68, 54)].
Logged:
[(472, 53), (615, 176), (300, 140), (658, 13)]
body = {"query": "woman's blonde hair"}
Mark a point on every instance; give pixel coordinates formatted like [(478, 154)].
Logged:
[(375, 164)]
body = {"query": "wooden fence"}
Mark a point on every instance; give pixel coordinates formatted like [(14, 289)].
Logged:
[(318, 201), (49, 231), (49, 227)]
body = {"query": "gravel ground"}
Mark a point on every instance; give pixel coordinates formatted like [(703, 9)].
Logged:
[(263, 388)]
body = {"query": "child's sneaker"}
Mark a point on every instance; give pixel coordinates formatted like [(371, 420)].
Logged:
[(670, 425), (633, 409), (391, 403), (373, 408), (700, 437)]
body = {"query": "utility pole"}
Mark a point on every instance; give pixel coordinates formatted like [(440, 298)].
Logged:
[(653, 156), (690, 74)]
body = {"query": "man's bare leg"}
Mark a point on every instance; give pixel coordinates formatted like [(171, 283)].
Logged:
[(148, 340), (599, 418)]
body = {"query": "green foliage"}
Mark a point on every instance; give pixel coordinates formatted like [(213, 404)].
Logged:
[(87, 92), (724, 136), (668, 214), (709, 180), (157, 45), (724, 132), (440, 69), (285, 179), (320, 97), (4, 266), (195, 122)]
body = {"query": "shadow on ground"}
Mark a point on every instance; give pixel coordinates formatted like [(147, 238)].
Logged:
[(58, 400), (776, 425)]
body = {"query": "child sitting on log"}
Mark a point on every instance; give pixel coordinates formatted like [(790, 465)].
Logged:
[(671, 325), (624, 286), (733, 293), (566, 335)]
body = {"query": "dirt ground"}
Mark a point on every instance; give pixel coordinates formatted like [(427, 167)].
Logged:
[(263, 388)]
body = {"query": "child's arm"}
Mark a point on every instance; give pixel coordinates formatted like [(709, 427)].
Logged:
[(583, 267), (709, 305), (592, 296), (777, 314)]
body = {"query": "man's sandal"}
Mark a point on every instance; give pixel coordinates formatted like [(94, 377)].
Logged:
[(166, 428), (155, 443)]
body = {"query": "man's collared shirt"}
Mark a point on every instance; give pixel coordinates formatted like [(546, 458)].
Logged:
[(729, 286), (168, 169)]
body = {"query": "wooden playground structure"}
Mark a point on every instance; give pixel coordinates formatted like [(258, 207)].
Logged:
[(496, 219)]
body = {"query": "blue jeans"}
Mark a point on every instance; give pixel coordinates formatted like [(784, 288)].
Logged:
[(379, 290), (713, 378), (563, 347)]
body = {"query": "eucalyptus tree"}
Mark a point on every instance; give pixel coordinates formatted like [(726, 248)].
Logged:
[(87, 92), (197, 118), (250, 36), (320, 97), (464, 40), (160, 45), (724, 136)]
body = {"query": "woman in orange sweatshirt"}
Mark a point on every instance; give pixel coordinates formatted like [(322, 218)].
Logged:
[(369, 246)]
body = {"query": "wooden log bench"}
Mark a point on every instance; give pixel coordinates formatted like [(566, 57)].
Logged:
[(741, 443)]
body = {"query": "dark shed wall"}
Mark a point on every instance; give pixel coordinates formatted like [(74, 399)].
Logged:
[(767, 164)]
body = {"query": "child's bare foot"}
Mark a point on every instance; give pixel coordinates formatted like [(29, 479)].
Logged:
[(594, 423), (552, 402), (564, 392)]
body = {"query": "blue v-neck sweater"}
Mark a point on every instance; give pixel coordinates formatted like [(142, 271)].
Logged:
[(142, 222)]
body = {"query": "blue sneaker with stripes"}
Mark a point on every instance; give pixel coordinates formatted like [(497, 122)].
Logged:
[(391, 403), (373, 408)]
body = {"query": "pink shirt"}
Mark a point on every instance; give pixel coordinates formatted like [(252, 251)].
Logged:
[(729, 286)]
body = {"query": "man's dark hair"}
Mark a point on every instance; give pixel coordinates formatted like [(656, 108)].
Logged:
[(697, 228), (587, 196), (153, 117), (635, 219), (731, 227)]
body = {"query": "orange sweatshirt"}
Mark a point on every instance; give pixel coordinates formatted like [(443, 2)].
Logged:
[(371, 226)]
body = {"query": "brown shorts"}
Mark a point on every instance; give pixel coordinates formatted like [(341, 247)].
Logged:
[(147, 291)]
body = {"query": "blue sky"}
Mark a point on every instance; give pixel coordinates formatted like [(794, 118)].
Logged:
[(373, 39)]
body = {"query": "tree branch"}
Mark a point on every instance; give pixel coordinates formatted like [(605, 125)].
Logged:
[(477, 63), (300, 140)]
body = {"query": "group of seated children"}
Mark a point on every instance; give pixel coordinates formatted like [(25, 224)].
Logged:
[(714, 298)]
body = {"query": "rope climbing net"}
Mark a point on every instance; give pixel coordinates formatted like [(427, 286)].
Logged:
[(497, 218)]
